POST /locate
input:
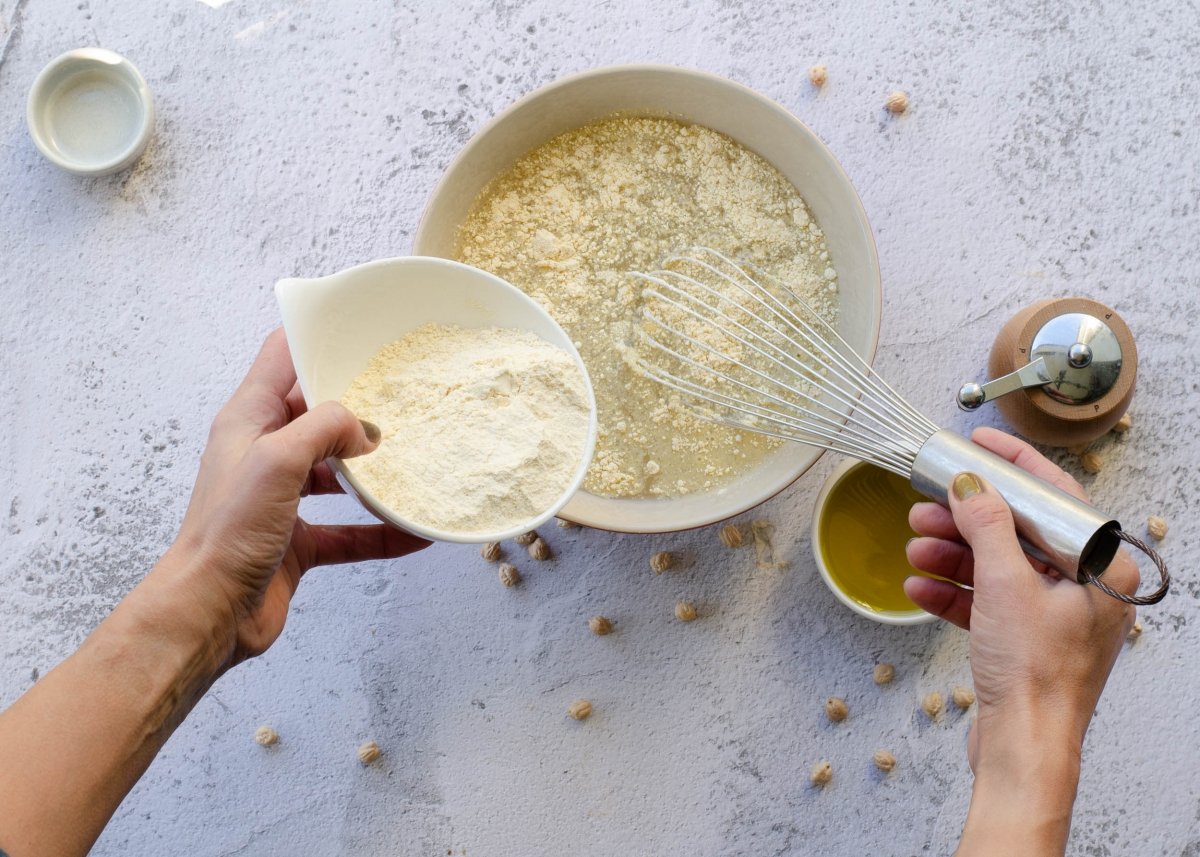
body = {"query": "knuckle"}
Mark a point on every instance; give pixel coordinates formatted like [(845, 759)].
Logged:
[(988, 511), (223, 422), (273, 454), (1123, 574)]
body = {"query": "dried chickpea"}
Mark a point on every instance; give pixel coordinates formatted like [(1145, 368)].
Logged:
[(884, 673), (580, 709), (885, 761), (368, 752), (661, 561), (731, 536), (821, 774), (539, 550), (1124, 424), (491, 551), (963, 697), (932, 704), (685, 611), (600, 625), (526, 539), (508, 574), (1157, 527), (265, 736), (1134, 632), (897, 102), (836, 709), (1091, 462), (817, 75)]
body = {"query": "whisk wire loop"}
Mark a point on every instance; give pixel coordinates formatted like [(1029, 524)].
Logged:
[(766, 421), (783, 358), (778, 367), (835, 429)]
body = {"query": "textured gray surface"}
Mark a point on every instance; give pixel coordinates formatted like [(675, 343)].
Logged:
[(1050, 149)]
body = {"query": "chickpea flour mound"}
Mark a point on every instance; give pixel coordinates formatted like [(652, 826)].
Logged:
[(482, 429), (571, 219)]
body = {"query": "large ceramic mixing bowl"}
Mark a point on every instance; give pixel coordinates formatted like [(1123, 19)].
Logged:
[(757, 123)]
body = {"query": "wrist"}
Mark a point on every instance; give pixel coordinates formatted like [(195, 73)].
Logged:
[(173, 608), (1026, 777)]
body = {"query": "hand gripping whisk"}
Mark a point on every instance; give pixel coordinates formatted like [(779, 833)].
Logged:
[(747, 352)]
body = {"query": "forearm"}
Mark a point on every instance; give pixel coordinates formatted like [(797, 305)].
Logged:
[(73, 746), (1024, 793)]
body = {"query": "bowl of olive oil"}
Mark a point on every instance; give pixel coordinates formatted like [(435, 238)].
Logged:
[(859, 532)]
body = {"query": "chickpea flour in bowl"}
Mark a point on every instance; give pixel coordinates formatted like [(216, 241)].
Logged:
[(483, 428)]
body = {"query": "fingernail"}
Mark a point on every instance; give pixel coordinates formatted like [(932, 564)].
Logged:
[(372, 431), (966, 485), (909, 542)]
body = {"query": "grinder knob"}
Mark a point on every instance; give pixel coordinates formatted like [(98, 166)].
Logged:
[(1069, 364)]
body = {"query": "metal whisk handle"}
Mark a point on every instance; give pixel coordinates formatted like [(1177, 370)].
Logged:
[(1055, 527)]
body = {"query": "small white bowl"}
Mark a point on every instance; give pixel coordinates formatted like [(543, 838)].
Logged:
[(760, 125), (916, 616), (90, 112), (336, 324)]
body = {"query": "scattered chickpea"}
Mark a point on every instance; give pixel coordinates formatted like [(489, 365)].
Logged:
[(685, 611), (1079, 449), (897, 102), (1091, 462), (963, 697), (1157, 527), (884, 673), (369, 752), (932, 704), (508, 574), (661, 561), (1124, 424), (822, 773), (1134, 632), (539, 550), (836, 709), (885, 761), (564, 524), (600, 625), (265, 736), (817, 75), (580, 709), (491, 551), (731, 536), (526, 539)]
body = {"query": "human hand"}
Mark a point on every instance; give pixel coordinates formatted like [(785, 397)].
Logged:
[(1041, 646), (242, 537)]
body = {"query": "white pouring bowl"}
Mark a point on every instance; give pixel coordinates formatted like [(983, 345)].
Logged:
[(336, 324), (757, 123)]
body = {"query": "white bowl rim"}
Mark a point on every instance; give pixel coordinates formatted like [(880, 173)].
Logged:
[(476, 141), (384, 512), (101, 58), (916, 616)]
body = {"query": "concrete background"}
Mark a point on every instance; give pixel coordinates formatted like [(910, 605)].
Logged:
[(1050, 150)]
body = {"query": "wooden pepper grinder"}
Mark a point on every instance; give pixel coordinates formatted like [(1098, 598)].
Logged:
[(1063, 372)]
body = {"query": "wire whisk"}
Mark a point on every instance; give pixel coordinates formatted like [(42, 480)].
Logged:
[(744, 350)]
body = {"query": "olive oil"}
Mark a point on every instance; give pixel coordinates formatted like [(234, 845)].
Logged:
[(863, 531)]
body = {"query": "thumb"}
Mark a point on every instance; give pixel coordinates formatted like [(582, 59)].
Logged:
[(985, 521), (326, 431)]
